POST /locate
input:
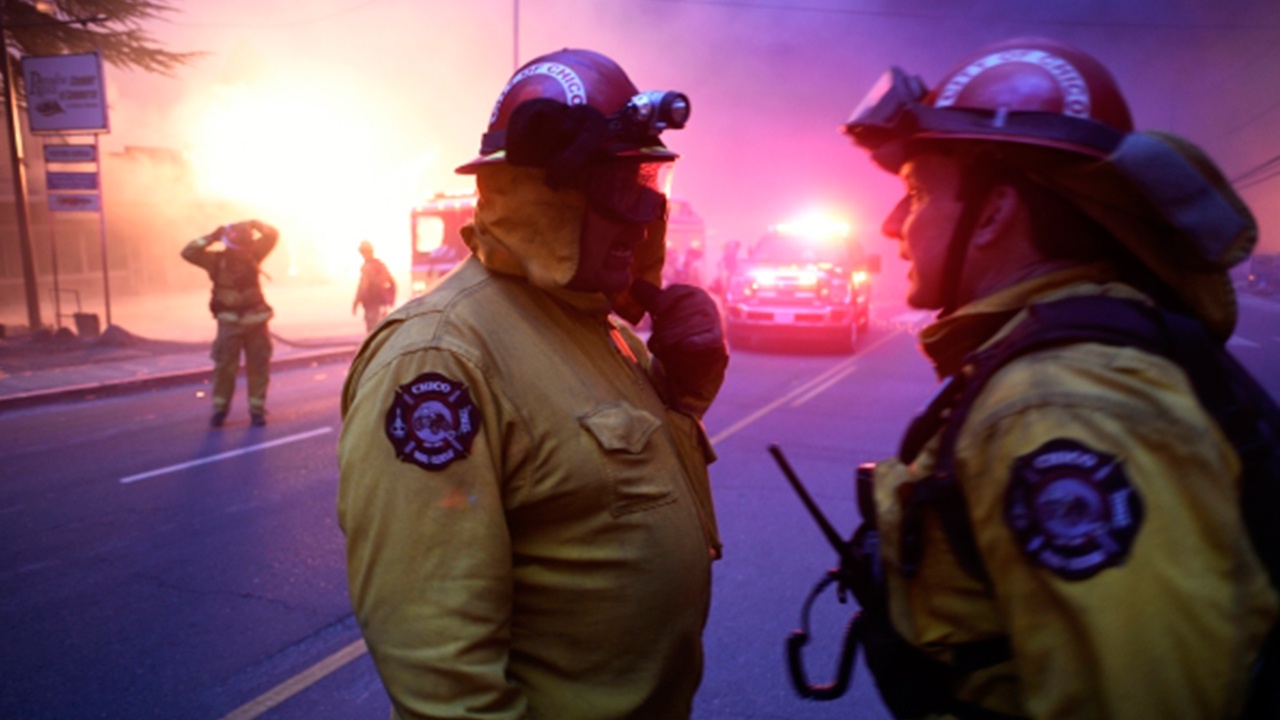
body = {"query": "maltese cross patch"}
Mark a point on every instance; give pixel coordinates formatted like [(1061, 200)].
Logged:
[(1072, 509), (432, 421)]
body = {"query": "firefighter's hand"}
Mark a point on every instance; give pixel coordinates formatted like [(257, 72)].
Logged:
[(687, 340)]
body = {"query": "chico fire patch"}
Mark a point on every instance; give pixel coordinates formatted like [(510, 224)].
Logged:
[(1072, 509), (432, 421)]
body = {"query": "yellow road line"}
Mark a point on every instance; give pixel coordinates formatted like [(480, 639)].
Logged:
[(298, 683), (744, 422), (803, 393)]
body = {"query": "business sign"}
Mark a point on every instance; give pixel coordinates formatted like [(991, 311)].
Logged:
[(70, 153), (77, 202), (71, 181), (65, 93)]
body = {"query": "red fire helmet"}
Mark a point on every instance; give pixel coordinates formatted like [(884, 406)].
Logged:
[(1029, 90), (584, 77)]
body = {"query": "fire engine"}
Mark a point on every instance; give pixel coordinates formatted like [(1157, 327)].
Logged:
[(436, 231), (686, 252), (809, 278)]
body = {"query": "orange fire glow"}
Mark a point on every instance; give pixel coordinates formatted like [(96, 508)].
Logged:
[(319, 166)]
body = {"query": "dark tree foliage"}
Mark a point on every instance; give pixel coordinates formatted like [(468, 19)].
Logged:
[(114, 27)]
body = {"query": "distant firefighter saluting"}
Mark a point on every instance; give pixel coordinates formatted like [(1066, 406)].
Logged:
[(241, 310)]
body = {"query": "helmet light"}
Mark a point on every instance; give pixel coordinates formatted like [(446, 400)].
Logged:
[(648, 113)]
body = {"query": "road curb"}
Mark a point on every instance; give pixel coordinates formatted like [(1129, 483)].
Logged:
[(93, 391)]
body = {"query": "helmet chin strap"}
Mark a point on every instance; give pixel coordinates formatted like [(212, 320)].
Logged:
[(980, 178)]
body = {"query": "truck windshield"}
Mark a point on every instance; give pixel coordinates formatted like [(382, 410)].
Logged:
[(429, 234), (799, 249)]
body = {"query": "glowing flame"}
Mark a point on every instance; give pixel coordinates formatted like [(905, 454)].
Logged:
[(320, 166)]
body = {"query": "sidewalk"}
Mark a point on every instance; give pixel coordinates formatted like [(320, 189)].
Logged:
[(164, 340)]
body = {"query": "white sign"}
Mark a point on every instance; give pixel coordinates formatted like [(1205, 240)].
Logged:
[(65, 93), (70, 154), (75, 202), (71, 181)]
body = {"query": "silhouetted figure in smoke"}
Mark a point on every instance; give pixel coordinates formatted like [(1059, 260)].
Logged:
[(377, 288)]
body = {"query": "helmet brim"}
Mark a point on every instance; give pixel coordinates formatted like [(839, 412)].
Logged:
[(656, 153)]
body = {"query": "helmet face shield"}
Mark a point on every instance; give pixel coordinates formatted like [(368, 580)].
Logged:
[(619, 228), (625, 192), (878, 119)]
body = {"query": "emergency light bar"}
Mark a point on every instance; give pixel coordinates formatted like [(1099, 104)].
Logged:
[(814, 226)]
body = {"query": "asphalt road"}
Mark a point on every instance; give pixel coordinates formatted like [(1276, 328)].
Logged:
[(177, 594), (1257, 340), (154, 568)]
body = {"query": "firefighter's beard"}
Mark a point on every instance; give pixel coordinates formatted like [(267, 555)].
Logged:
[(606, 250)]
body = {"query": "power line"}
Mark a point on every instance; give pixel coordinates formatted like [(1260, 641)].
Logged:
[(1265, 111), (1258, 181), (1258, 174), (1260, 167)]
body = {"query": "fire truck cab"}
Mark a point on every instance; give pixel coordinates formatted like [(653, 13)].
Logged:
[(436, 231), (686, 252), (809, 278)]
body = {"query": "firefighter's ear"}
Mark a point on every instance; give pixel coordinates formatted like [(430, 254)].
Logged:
[(1000, 211)]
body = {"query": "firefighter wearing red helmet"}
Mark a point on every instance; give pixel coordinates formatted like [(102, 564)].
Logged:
[(524, 484), (1064, 537)]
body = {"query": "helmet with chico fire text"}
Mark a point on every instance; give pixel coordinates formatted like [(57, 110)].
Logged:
[(1031, 91), (578, 93), (1054, 113)]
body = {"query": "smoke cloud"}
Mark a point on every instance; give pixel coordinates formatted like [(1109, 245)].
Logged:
[(330, 119)]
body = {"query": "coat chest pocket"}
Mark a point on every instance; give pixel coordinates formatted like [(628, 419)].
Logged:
[(641, 479)]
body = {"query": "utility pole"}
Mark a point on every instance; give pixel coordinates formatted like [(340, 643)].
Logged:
[(19, 170), (515, 35)]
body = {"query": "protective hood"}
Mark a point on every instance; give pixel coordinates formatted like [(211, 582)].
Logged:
[(1170, 206), (524, 228)]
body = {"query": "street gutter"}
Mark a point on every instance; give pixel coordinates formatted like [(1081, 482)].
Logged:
[(94, 391)]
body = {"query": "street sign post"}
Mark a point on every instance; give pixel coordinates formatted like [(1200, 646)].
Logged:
[(75, 202), (71, 181), (70, 153), (66, 95)]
